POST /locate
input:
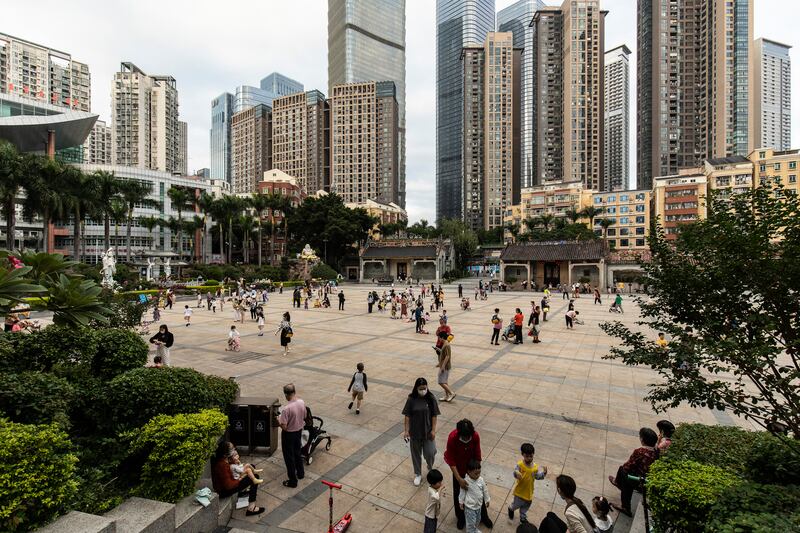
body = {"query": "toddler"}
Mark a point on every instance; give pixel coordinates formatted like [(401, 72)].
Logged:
[(434, 505), (475, 495), (662, 342), (238, 469), (234, 342), (526, 472), (600, 510), (358, 386), (187, 315)]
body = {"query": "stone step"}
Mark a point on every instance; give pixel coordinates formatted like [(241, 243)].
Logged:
[(75, 521), (191, 517), (138, 515)]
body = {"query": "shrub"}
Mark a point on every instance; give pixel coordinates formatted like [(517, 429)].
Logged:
[(179, 447), (126, 309), (212, 282), (771, 460), (118, 351), (272, 273), (727, 447), (681, 493), (35, 398), (756, 507), (36, 475), (42, 350), (323, 271), (143, 393)]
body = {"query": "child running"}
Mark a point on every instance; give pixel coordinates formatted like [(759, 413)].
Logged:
[(526, 472), (187, 315), (358, 386), (434, 506), (474, 496)]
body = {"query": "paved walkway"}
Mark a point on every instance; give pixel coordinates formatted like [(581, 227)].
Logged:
[(581, 412)]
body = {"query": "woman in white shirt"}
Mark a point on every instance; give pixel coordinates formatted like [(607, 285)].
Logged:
[(578, 518)]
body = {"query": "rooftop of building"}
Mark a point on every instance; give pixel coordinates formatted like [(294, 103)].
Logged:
[(556, 251), (730, 160), (26, 124)]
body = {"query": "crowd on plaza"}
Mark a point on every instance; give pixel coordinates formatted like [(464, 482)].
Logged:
[(420, 412)]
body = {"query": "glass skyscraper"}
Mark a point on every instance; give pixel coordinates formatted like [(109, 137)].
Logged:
[(458, 23), (224, 106), (516, 19), (367, 42)]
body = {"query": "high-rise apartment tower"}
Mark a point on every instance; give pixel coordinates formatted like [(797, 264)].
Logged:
[(617, 119), (772, 95)]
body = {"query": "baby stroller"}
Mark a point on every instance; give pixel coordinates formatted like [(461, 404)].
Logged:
[(312, 436)]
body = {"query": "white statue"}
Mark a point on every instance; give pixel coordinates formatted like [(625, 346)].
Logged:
[(151, 262), (167, 268), (109, 268)]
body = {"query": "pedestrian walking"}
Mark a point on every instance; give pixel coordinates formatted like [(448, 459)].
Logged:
[(260, 320), (370, 302), (535, 327), (285, 329), (341, 300), (463, 446), (419, 426), (497, 326), (597, 299), (358, 386), (518, 319), (545, 307), (460, 291), (292, 420), (187, 315), (163, 341), (444, 365), (208, 300)]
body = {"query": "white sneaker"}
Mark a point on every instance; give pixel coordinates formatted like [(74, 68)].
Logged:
[(417, 481)]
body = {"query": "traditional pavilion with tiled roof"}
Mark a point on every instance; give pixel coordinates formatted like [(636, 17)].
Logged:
[(420, 259), (555, 262)]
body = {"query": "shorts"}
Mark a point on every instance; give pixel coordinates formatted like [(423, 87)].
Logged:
[(358, 395), (444, 376)]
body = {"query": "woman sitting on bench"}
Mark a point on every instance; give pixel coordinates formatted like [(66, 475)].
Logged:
[(224, 483)]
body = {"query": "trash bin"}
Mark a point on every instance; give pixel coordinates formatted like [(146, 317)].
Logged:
[(254, 424)]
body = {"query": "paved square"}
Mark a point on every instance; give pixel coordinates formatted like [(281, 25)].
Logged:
[(581, 412)]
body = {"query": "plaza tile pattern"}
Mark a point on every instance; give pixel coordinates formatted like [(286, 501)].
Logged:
[(581, 412)]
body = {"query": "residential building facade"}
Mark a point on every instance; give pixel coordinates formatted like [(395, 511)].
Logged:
[(693, 82), (728, 175), (569, 87), (364, 142), (279, 183), (776, 167), (616, 109), (772, 95), (144, 118), (490, 102), (680, 199), (459, 23), (42, 73), (516, 19), (300, 139), (367, 42), (98, 146), (630, 213), (251, 147)]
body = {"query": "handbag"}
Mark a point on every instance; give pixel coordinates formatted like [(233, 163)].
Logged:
[(450, 338), (288, 331)]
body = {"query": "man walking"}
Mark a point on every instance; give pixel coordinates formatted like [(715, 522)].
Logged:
[(292, 420), (460, 291), (341, 300)]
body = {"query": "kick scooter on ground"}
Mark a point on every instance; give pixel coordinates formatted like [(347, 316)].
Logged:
[(344, 522)]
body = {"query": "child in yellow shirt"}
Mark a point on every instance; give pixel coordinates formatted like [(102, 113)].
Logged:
[(525, 473)]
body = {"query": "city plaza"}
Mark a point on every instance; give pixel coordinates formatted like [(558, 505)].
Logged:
[(580, 411)]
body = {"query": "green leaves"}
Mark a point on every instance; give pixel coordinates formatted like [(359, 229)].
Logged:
[(76, 302), (15, 287)]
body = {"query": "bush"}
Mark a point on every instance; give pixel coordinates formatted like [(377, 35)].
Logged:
[(36, 475), (755, 507), (35, 398), (126, 309), (681, 493), (179, 447), (771, 460), (143, 393), (271, 273), (212, 282), (727, 447), (323, 271), (118, 351), (45, 349)]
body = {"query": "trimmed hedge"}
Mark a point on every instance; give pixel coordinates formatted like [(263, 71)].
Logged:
[(118, 350), (680, 493), (323, 271), (43, 350), (727, 447), (179, 447), (753, 507), (35, 398), (143, 393), (36, 475)]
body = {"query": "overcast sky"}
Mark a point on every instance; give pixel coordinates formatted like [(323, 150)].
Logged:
[(212, 46)]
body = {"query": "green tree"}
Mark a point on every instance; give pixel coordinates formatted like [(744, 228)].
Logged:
[(107, 186), (225, 210), (606, 223), (205, 203), (422, 229), (135, 193), (260, 203), (246, 223), (591, 212), (14, 171), (725, 294), (150, 223), (573, 215), (44, 194), (465, 241), (513, 229), (546, 220), (180, 199), (82, 200)]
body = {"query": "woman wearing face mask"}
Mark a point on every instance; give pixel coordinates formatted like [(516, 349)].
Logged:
[(163, 341), (578, 517), (463, 445), (419, 431)]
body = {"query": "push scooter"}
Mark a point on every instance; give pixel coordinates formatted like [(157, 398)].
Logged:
[(344, 522)]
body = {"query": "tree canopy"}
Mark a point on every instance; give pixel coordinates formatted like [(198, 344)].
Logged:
[(725, 293)]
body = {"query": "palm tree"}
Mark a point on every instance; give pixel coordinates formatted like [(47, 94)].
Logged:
[(204, 203), (13, 175), (284, 205), (197, 223), (545, 220), (150, 223), (180, 199), (44, 194), (174, 226), (227, 208), (573, 215), (81, 197), (133, 193), (606, 223), (531, 223), (246, 222), (107, 186), (560, 223), (261, 202), (513, 229), (591, 212)]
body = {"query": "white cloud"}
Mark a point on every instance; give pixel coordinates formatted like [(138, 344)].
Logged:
[(211, 47)]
